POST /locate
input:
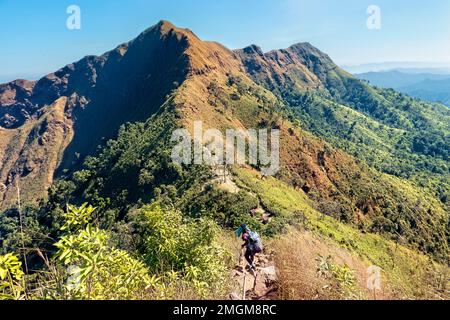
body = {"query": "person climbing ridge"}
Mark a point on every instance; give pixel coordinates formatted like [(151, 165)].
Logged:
[(252, 243)]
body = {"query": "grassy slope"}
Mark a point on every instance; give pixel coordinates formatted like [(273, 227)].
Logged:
[(407, 271)]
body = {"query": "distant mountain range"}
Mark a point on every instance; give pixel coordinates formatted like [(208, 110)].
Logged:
[(429, 84), (408, 67)]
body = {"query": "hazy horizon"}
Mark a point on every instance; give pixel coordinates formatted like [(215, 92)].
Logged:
[(424, 67)]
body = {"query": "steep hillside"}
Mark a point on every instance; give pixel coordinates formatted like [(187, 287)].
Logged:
[(300, 252), (381, 129), (97, 95), (300, 67), (223, 89), (430, 90), (31, 153), (355, 160)]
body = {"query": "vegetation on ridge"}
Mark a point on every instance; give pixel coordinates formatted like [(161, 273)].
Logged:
[(365, 171)]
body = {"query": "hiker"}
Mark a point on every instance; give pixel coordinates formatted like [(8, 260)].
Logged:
[(252, 243)]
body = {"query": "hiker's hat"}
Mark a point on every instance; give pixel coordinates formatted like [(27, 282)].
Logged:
[(242, 229)]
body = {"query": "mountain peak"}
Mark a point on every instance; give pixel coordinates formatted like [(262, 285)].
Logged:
[(164, 24), (304, 45), (252, 49), (164, 27), (306, 48)]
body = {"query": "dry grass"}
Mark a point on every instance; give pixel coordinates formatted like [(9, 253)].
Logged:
[(296, 255), (407, 273)]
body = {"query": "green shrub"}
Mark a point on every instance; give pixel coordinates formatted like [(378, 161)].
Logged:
[(11, 276), (182, 250)]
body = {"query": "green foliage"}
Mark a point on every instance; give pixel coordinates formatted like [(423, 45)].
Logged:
[(399, 135), (35, 233), (392, 134), (100, 271), (172, 258), (342, 275), (180, 249), (77, 217), (86, 266), (228, 209), (11, 276)]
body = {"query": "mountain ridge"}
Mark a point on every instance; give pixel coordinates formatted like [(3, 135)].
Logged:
[(87, 84), (170, 70)]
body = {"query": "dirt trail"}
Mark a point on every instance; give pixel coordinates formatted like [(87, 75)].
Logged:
[(258, 285), (223, 178)]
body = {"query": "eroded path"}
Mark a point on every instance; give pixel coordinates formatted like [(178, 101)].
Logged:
[(258, 285)]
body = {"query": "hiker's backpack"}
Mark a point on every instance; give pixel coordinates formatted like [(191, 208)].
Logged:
[(255, 241)]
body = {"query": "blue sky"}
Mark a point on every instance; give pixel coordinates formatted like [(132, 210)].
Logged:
[(35, 40)]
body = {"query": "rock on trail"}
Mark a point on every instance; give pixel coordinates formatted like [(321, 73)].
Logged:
[(260, 285)]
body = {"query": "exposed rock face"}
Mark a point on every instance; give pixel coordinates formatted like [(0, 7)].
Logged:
[(86, 102), (301, 66), (265, 281), (31, 153), (15, 103)]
